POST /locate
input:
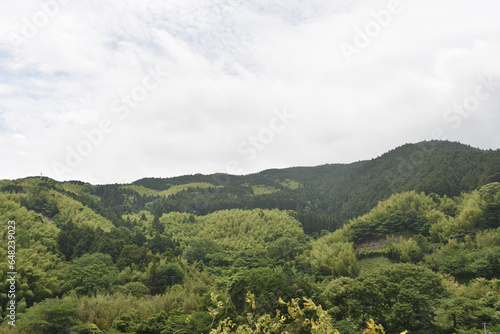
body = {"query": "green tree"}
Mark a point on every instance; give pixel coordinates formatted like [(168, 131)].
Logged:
[(132, 254), (67, 239), (285, 249), (136, 289), (125, 324), (153, 278), (170, 274), (157, 225), (401, 296), (336, 296), (487, 263), (160, 244), (53, 316), (90, 274), (461, 313)]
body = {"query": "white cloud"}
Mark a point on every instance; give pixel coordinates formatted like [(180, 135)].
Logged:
[(228, 65)]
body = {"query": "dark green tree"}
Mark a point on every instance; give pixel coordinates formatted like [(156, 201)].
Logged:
[(157, 225), (131, 254), (67, 239), (91, 274), (170, 274), (400, 296)]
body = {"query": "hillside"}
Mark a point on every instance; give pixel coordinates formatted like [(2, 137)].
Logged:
[(414, 243), (324, 197)]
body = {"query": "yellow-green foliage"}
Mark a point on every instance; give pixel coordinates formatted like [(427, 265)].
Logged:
[(442, 216), (332, 258), (300, 316), (263, 190), (168, 192), (467, 218), (73, 188), (474, 289), (234, 231), (137, 216), (76, 189), (39, 269), (480, 287), (490, 193), (29, 183), (488, 238), (294, 185), (404, 212), (340, 235), (406, 251), (373, 263), (333, 255), (69, 209), (81, 190), (30, 226), (296, 320), (469, 212), (175, 189), (401, 202), (4, 183), (40, 273), (141, 190), (102, 311)]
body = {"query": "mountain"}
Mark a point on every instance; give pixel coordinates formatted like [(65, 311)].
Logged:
[(322, 197), (338, 192), (410, 238)]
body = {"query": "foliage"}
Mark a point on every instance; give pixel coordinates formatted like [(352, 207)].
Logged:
[(401, 296), (53, 316), (298, 316), (406, 251), (332, 259), (405, 212), (223, 237), (170, 274), (91, 274), (144, 257), (267, 285), (81, 215), (136, 289), (39, 268)]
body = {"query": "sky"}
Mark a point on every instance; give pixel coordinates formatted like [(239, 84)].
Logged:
[(111, 91)]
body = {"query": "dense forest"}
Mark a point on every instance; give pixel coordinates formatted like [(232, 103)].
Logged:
[(410, 239)]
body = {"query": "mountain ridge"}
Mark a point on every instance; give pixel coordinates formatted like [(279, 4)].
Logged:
[(329, 167), (324, 197)]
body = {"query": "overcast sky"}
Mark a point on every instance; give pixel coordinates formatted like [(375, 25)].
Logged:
[(109, 91)]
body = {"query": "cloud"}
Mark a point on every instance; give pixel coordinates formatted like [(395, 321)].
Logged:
[(225, 68)]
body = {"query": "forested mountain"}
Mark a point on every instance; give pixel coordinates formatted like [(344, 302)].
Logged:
[(323, 197), (342, 191), (410, 239)]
